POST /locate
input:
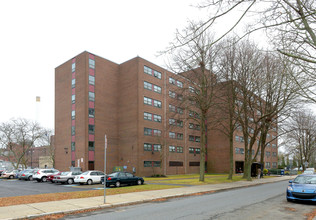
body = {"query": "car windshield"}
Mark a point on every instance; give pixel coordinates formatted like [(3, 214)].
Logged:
[(85, 173), (64, 173), (305, 180)]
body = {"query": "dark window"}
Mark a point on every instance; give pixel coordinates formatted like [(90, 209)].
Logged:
[(147, 163), (91, 165), (175, 164), (91, 145), (194, 164), (91, 129), (91, 112), (73, 163)]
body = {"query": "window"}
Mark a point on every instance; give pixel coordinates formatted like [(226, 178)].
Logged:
[(241, 139), (157, 147), (191, 113), (194, 164), (147, 116), (157, 163), (172, 81), (73, 146), (172, 121), (197, 127), (91, 63), (179, 84), (91, 80), (172, 134), (191, 89), (267, 165), (147, 101), (147, 70), (147, 131), (91, 129), (157, 118), (274, 165), (268, 154), (172, 94), (147, 163), (191, 125), (274, 154), (157, 89), (73, 83), (197, 150), (73, 114), (180, 136), (191, 138), (157, 132), (175, 164), (91, 96), (157, 74), (73, 130), (197, 139), (172, 108), (179, 149), (73, 67), (73, 98), (148, 85), (180, 110), (191, 150), (274, 145), (91, 112), (179, 123), (147, 147), (172, 149), (157, 103), (91, 145)]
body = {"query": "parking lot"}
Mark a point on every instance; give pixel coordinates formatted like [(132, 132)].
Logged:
[(15, 187)]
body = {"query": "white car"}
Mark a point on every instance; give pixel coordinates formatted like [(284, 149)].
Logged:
[(89, 177), (41, 174)]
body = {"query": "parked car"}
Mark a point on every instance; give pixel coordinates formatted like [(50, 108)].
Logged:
[(302, 188), (122, 178), (10, 174), (89, 177), (308, 172), (42, 174), (21, 172), (67, 177), (28, 175), (50, 178)]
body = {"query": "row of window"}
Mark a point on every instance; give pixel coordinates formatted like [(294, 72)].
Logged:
[(152, 87), (174, 135), (177, 149), (152, 102), (242, 151), (73, 112), (194, 126), (171, 163), (152, 117), (194, 150), (176, 122), (267, 165), (175, 95), (152, 72), (152, 147), (173, 108), (91, 110), (194, 114), (152, 132), (194, 138), (175, 82)]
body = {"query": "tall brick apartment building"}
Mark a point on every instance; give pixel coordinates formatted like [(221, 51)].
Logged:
[(135, 105)]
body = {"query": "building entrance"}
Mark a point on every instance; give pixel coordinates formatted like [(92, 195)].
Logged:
[(239, 166)]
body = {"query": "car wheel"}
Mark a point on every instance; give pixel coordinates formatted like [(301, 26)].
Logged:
[(30, 178), (11, 177), (89, 182), (117, 184), (139, 182), (44, 179), (70, 181)]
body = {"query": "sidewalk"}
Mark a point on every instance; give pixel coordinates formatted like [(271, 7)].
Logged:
[(71, 205)]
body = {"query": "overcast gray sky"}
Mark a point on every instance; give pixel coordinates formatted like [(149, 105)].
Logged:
[(37, 36)]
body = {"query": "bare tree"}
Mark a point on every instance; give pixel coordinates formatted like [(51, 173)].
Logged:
[(194, 62), (47, 141), (16, 138), (302, 136)]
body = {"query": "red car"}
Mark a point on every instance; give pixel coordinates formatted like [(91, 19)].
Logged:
[(50, 178)]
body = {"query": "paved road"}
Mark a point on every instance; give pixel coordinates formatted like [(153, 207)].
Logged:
[(259, 202)]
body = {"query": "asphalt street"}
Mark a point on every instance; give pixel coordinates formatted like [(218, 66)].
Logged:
[(265, 201)]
